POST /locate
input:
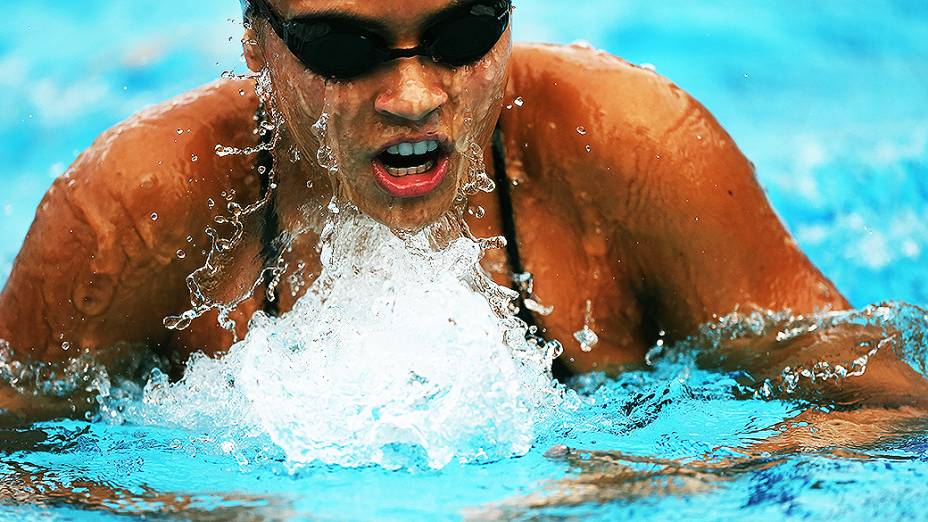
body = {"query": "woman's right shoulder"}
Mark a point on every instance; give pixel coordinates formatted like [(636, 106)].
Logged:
[(173, 136), (116, 234)]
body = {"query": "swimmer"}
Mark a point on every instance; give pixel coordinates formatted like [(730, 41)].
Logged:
[(609, 178)]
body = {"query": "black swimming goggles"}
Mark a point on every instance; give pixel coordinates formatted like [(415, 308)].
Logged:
[(342, 48)]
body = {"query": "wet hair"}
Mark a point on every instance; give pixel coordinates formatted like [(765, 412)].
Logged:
[(248, 11)]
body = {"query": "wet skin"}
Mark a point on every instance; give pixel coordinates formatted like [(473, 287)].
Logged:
[(649, 212)]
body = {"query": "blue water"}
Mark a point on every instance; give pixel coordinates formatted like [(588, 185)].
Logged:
[(829, 100)]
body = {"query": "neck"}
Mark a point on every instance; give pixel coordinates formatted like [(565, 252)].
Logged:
[(303, 189)]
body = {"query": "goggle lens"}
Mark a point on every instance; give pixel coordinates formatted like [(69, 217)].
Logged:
[(341, 51)]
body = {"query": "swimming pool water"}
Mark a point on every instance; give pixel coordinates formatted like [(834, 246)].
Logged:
[(829, 100)]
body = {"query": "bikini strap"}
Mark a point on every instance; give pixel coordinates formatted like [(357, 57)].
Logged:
[(506, 210), (271, 229)]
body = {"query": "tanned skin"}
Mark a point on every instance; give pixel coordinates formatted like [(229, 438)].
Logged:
[(649, 211)]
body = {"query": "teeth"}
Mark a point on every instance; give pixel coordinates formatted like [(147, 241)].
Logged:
[(408, 149), (398, 173)]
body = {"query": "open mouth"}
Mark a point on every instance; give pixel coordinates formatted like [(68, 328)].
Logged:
[(411, 169)]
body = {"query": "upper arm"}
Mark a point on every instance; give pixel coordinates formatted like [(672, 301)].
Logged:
[(85, 271), (99, 266), (708, 240), (713, 242), (686, 215)]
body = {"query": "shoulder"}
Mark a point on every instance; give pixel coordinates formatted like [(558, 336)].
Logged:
[(168, 136), (614, 127), (604, 90), (100, 262), (162, 161), (650, 163)]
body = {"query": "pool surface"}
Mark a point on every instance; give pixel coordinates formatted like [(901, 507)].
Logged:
[(829, 100)]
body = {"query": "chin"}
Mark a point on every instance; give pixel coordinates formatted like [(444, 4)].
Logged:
[(410, 215)]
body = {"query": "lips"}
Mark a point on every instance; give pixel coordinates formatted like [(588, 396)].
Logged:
[(412, 168)]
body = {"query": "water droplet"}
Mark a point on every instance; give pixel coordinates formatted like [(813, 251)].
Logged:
[(190, 239), (181, 254), (538, 308), (66, 346), (154, 216), (241, 92), (581, 130), (210, 203), (585, 336), (180, 131), (491, 243), (519, 101), (194, 157), (588, 148)]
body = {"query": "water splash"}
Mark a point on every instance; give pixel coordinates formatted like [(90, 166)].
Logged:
[(815, 351), (205, 284), (393, 357)]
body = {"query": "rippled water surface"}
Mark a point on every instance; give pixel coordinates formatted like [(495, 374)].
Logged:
[(830, 101)]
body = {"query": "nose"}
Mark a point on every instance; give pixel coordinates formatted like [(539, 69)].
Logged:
[(412, 94)]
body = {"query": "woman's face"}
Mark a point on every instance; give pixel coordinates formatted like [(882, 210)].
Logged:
[(409, 105)]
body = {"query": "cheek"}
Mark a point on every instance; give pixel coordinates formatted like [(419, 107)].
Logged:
[(297, 94), (485, 86)]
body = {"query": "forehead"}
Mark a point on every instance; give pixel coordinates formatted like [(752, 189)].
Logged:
[(388, 11)]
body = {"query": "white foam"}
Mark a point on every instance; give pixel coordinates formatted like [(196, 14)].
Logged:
[(393, 357)]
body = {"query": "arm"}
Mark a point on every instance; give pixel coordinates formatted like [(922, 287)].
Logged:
[(98, 271), (715, 245), (696, 236)]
